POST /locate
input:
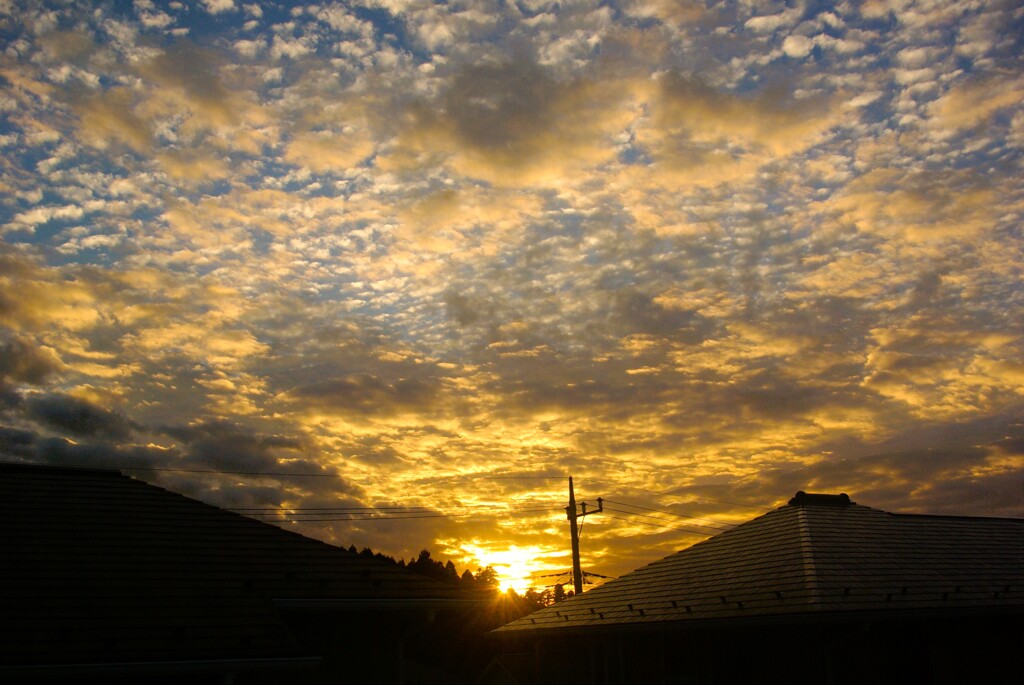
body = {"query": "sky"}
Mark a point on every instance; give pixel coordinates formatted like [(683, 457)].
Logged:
[(388, 272)]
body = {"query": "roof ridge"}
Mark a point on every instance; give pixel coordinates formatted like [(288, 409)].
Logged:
[(807, 557)]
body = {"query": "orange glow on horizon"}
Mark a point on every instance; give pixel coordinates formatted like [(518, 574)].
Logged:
[(516, 566)]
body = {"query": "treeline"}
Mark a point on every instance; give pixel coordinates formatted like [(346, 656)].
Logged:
[(458, 642), (484, 580)]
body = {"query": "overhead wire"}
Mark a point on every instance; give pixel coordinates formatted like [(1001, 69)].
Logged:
[(335, 519), (331, 514), (399, 509), (660, 525), (295, 474), (675, 492), (713, 501), (334, 510), (671, 513), (666, 522), (361, 518), (299, 474), (733, 504), (336, 514)]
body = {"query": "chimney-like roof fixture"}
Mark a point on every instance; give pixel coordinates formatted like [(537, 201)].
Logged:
[(809, 499)]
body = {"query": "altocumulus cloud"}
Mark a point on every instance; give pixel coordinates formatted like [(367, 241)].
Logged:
[(444, 255)]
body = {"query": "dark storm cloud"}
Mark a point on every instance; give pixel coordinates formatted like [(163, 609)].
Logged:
[(9, 398), (23, 363), (1012, 444), (224, 445), (250, 495), (995, 494), (1000, 430), (98, 454), (16, 443), (970, 475), (77, 417)]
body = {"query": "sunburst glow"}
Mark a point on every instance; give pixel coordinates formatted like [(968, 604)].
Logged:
[(517, 567)]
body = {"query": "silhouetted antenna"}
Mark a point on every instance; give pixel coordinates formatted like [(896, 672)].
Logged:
[(587, 575)]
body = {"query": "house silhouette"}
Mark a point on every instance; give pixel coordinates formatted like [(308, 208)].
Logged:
[(109, 579), (821, 590)]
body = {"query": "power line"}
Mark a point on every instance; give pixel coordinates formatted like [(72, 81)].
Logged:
[(334, 514), (674, 492), (230, 473), (492, 476), (671, 513), (364, 518), (734, 504), (387, 511), (655, 518), (399, 509), (649, 523), (366, 514), (510, 477), (496, 476), (713, 501), (334, 510)]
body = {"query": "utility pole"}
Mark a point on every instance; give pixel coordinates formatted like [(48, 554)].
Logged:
[(574, 535)]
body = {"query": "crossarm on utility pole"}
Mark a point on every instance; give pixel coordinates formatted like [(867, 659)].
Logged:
[(574, 533)]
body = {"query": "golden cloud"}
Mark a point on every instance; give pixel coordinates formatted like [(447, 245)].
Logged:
[(919, 206), (329, 151), (677, 12), (40, 297), (178, 101), (466, 222), (185, 77), (110, 117), (975, 101), (194, 166), (702, 135)]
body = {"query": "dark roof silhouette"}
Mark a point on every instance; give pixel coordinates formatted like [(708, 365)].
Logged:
[(819, 556), (101, 568)]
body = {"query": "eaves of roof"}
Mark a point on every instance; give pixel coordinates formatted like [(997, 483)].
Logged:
[(767, 620)]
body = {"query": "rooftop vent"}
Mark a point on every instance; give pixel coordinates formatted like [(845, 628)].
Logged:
[(809, 499)]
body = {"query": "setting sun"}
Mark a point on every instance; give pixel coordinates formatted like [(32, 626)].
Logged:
[(517, 567)]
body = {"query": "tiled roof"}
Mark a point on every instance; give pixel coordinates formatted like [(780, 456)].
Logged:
[(100, 567), (819, 554)]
